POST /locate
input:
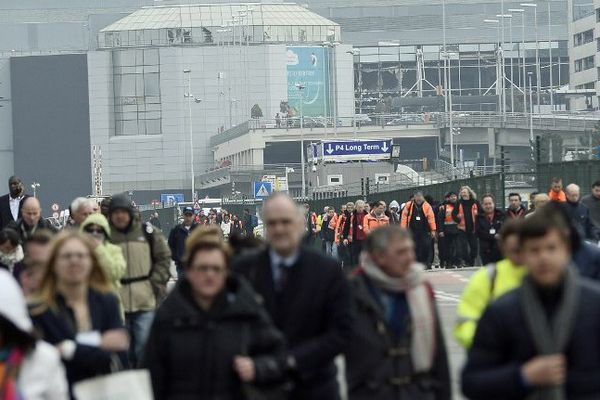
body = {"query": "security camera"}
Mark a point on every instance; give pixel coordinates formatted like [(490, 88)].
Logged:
[(197, 100), (314, 168)]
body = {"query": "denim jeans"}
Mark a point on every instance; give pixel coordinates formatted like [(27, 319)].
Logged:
[(331, 249), (138, 325)]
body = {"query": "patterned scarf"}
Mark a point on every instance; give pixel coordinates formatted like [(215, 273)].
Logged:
[(10, 363)]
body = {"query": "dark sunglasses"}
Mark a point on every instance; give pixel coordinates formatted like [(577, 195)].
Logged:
[(95, 231)]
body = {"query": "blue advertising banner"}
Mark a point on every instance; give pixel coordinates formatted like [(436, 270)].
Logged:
[(309, 67)]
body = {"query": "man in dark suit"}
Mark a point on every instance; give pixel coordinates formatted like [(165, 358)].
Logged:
[(307, 296), (12, 203)]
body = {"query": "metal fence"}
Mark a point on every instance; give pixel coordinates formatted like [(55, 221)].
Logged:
[(484, 184), (167, 217), (583, 173)]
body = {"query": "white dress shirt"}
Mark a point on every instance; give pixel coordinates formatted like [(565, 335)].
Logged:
[(14, 206)]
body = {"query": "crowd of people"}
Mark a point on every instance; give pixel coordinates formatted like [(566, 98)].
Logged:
[(461, 230), (247, 319)]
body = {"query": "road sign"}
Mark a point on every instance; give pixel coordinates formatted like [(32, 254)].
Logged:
[(357, 150), (55, 207), (282, 184), (262, 190), (172, 198)]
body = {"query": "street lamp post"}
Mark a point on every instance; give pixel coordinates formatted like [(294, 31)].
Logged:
[(35, 186), (522, 81), (537, 51), (530, 109), (191, 97), (499, 67), (447, 84), (550, 55), (300, 88), (512, 84)]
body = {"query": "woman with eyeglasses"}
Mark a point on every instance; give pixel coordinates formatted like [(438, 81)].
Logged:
[(76, 310), (109, 255), (210, 337)]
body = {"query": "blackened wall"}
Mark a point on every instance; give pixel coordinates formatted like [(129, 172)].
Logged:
[(51, 126)]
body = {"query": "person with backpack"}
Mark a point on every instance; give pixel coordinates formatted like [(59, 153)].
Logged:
[(148, 261), (489, 283), (397, 350)]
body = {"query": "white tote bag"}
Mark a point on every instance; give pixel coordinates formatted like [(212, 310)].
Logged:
[(125, 385)]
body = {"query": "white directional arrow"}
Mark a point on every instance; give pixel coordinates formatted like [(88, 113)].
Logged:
[(329, 149), (385, 147)]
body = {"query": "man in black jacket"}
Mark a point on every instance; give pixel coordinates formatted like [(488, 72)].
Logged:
[(534, 341), (12, 203), (307, 296), (488, 225), (580, 214), (178, 236), (398, 349), (31, 220)]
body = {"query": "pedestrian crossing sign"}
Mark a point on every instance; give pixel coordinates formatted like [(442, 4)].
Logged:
[(262, 190)]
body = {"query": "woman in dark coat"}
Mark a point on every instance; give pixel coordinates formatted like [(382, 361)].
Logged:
[(77, 312), (210, 336)]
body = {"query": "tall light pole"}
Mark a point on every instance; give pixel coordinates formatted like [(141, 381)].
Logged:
[(512, 84), (550, 55), (447, 84), (530, 109), (499, 67), (333, 47), (300, 88), (522, 81), (538, 75), (35, 186), (191, 98)]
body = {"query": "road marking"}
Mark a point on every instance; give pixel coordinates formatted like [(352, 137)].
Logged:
[(447, 297)]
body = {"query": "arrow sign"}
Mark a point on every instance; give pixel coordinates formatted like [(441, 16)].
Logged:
[(369, 150)]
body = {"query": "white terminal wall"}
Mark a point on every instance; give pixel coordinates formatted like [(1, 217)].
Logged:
[(253, 75)]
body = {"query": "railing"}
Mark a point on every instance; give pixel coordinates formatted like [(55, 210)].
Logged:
[(573, 121), (559, 121)]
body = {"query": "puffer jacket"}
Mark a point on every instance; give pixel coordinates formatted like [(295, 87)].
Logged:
[(109, 255), (148, 263), (190, 351)]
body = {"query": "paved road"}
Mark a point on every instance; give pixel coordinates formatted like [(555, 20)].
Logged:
[(449, 285)]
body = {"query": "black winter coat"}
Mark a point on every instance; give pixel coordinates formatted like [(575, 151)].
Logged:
[(190, 351), (314, 312), (177, 239), (375, 358), (503, 344), (486, 232), (580, 218)]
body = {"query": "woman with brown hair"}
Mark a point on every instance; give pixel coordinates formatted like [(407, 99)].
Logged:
[(210, 338), (76, 311)]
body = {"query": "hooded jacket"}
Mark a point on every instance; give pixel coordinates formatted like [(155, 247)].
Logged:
[(41, 375), (148, 263), (109, 255)]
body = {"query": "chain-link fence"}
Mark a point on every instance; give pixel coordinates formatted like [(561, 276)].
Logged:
[(583, 173), (492, 184)]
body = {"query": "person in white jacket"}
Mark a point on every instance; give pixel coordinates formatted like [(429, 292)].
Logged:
[(30, 369)]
